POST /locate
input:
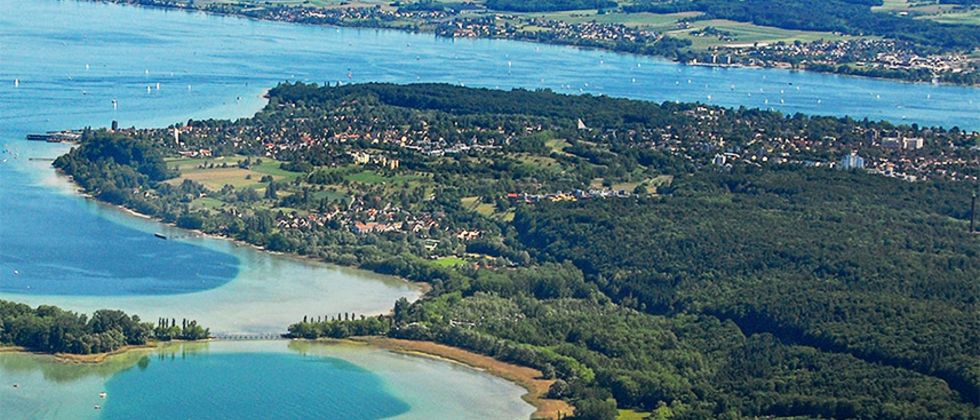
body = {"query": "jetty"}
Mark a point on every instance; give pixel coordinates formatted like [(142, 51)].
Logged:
[(55, 136)]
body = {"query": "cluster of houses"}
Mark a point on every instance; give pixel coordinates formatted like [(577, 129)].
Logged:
[(867, 53), (574, 195), (340, 126), (935, 63), (899, 153), (521, 27), (382, 161)]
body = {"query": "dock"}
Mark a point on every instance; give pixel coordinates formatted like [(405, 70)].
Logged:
[(55, 137)]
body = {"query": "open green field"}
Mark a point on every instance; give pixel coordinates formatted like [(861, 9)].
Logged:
[(449, 262), (208, 203), (913, 6), (369, 176), (966, 17), (893, 6), (217, 177), (744, 34), (486, 209), (670, 23), (625, 414), (650, 184)]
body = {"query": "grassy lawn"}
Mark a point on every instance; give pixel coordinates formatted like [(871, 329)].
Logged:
[(557, 145), (449, 262), (969, 17), (486, 209), (368, 176), (626, 414), (925, 9), (651, 184), (474, 203), (208, 203), (271, 167), (538, 161), (892, 6), (217, 177), (330, 195)]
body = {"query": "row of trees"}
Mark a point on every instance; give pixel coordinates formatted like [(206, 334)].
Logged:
[(51, 329)]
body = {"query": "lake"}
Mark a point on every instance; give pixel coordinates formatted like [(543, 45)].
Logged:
[(261, 379), (64, 63)]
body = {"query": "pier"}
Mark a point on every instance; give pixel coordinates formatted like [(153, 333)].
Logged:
[(55, 137)]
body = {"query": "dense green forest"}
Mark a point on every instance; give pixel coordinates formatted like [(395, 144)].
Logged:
[(752, 293), (599, 240), (846, 16), (842, 263), (51, 329)]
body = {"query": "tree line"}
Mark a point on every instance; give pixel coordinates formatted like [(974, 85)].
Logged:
[(50, 329)]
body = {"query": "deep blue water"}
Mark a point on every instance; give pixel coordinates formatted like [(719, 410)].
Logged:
[(54, 244), (248, 385), (71, 59)]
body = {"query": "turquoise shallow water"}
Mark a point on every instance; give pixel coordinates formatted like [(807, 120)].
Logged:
[(234, 385), (254, 380)]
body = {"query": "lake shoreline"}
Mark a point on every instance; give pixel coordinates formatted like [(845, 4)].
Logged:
[(422, 287), (96, 358), (528, 378), (192, 9)]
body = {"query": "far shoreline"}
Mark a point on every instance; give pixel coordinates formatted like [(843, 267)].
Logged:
[(192, 10)]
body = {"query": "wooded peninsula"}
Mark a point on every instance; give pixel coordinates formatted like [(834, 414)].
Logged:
[(49, 329), (684, 260)]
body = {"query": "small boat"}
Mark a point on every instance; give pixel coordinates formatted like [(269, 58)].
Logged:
[(98, 407), (103, 394), (160, 235)]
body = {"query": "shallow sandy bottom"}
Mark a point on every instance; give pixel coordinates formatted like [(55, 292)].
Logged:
[(427, 388)]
